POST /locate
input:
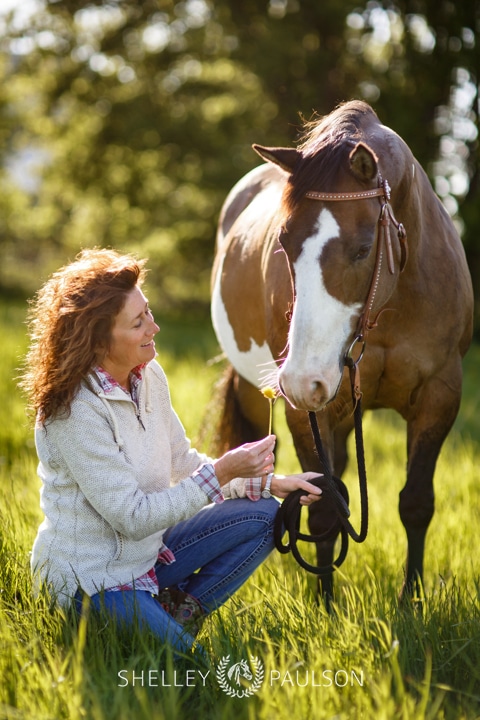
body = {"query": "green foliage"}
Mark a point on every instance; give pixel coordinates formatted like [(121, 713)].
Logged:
[(134, 119), (135, 140), (406, 664)]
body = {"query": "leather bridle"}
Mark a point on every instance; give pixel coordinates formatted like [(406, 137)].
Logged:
[(369, 317), (384, 244)]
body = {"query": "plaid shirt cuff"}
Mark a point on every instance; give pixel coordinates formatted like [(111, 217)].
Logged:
[(253, 488), (207, 480)]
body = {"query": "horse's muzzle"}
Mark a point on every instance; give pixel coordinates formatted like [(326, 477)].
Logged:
[(309, 395)]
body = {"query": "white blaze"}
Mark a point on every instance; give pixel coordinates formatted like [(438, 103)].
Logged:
[(320, 326)]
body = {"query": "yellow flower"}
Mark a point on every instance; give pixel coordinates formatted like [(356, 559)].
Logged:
[(270, 394)]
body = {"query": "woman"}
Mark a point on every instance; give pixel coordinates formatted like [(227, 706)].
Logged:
[(134, 517)]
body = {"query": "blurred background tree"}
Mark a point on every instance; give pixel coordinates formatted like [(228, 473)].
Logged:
[(126, 122)]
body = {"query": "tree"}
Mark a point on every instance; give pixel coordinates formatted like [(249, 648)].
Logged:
[(143, 115), (142, 120), (425, 78)]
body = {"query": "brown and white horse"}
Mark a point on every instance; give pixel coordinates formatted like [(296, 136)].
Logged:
[(308, 259)]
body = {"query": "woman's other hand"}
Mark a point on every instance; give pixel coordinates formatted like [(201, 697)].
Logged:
[(282, 485)]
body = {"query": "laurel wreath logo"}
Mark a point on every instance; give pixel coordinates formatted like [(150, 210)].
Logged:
[(240, 670)]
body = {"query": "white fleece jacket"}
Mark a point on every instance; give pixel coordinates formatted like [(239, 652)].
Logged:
[(114, 478)]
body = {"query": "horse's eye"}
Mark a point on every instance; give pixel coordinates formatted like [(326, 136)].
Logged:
[(363, 252)]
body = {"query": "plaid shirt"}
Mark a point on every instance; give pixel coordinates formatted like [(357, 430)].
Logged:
[(204, 477)]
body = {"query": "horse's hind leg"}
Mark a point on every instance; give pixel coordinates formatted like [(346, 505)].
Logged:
[(244, 412), (254, 409), (433, 415)]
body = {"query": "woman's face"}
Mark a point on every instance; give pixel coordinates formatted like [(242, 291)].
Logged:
[(132, 341)]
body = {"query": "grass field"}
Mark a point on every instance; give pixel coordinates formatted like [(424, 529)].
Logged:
[(368, 659)]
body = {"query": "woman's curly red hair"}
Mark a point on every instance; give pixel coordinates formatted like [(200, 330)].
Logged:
[(70, 323)]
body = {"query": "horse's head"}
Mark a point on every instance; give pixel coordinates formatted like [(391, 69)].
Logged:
[(331, 250)]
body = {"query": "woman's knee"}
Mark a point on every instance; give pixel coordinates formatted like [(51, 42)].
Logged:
[(269, 506)]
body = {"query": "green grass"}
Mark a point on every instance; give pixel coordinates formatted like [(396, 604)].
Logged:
[(397, 663)]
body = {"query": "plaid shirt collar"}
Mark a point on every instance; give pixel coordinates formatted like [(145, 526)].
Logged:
[(108, 383)]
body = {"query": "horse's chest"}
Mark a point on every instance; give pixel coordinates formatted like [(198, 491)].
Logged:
[(389, 378)]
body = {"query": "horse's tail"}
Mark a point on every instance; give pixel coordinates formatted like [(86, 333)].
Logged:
[(232, 427)]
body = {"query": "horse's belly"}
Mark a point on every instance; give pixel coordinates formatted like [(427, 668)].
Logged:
[(255, 365)]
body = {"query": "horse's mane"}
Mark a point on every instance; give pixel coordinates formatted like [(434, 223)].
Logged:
[(325, 144)]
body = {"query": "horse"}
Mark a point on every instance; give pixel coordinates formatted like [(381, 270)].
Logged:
[(311, 258)]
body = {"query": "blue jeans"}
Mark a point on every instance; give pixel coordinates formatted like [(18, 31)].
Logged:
[(216, 550)]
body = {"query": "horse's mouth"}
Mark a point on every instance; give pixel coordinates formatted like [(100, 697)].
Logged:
[(314, 397), (314, 403)]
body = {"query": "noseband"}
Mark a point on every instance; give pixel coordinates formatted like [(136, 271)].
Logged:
[(288, 516)]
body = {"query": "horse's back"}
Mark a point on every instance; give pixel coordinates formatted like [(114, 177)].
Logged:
[(262, 178)]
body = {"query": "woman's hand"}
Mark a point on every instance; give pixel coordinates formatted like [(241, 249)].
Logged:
[(282, 485), (249, 460)]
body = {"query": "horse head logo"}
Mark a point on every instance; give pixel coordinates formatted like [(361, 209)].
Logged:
[(240, 670), (230, 680)]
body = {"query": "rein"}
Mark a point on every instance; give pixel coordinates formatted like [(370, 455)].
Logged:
[(334, 491)]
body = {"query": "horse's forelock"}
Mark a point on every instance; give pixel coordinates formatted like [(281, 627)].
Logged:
[(317, 170), (324, 146)]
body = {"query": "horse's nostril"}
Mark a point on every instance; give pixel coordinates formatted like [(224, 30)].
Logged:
[(318, 392)]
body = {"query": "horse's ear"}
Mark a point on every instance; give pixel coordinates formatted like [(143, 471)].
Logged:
[(363, 162), (285, 158)]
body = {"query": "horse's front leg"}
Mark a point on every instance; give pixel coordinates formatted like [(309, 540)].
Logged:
[(322, 515), (319, 519), (321, 524), (435, 410)]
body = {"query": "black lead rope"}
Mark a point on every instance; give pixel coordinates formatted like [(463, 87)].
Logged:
[(334, 502)]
